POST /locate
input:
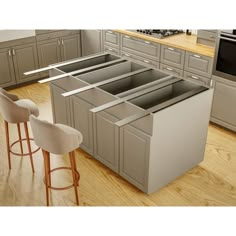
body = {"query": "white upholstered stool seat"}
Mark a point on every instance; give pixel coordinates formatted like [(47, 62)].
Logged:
[(57, 139), (17, 111)]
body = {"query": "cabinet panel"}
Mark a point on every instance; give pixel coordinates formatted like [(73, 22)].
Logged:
[(197, 78), (91, 41), (25, 59), (199, 64), (60, 106), (172, 56), (111, 38), (81, 119), (109, 49), (70, 47), (7, 74), (171, 70), (134, 155), (223, 104)]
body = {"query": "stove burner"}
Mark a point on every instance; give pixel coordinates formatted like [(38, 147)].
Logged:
[(160, 33)]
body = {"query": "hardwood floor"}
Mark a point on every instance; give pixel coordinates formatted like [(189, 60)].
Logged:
[(212, 183)]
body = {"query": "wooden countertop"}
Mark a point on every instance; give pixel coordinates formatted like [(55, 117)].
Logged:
[(182, 41)]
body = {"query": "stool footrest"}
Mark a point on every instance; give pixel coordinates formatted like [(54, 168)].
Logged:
[(66, 187)]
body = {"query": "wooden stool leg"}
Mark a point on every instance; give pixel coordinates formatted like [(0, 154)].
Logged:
[(19, 135), (73, 166), (29, 146), (49, 166), (46, 156), (8, 143)]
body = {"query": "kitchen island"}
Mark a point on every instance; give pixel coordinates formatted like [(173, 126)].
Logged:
[(146, 125)]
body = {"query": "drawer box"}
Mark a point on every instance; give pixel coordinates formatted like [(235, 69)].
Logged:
[(171, 70), (140, 47), (140, 59), (111, 38), (172, 56), (111, 50), (197, 78), (206, 37), (198, 64)]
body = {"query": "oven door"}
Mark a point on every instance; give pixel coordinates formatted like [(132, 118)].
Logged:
[(225, 57)]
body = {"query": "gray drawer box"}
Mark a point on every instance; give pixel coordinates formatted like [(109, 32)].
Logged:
[(111, 38), (207, 37), (112, 50), (197, 78), (141, 47), (198, 64), (171, 70), (172, 56), (140, 59)]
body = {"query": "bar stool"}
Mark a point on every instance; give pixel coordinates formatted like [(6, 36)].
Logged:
[(17, 111), (58, 139)]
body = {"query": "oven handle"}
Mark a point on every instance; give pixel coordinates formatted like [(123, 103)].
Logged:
[(228, 39)]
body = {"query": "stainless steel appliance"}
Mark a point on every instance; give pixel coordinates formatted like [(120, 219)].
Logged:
[(160, 33), (225, 55), (224, 75)]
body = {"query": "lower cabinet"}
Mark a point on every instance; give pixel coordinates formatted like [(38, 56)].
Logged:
[(134, 155)]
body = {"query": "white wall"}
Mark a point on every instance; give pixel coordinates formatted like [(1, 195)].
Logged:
[(6, 35)]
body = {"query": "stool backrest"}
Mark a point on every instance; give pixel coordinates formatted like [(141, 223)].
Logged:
[(10, 111), (53, 138)]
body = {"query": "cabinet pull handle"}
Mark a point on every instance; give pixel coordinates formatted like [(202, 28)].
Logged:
[(109, 31), (110, 49), (147, 42), (171, 49), (126, 36), (13, 52), (9, 52), (126, 54), (194, 77), (212, 37), (58, 41), (168, 68), (62, 42), (147, 61), (197, 56)]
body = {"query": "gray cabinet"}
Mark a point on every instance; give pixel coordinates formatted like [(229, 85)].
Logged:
[(17, 57), (91, 41), (223, 107), (172, 56), (7, 74), (111, 50), (172, 70), (199, 64), (197, 78), (111, 38), (207, 37)]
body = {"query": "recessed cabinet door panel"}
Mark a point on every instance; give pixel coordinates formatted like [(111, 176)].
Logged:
[(172, 56), (60, 106), (111, 38), (105, 142), (223, 106), (70, 46), (25, 59), (198, 64), (81, 119), (7, 76), (134, 155)]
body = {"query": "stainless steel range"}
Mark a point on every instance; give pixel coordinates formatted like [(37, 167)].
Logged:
[(160, 33)]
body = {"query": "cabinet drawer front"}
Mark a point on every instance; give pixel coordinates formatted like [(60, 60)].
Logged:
[(207, 35), (223, 102), (141, 46), (172, 56), (140, 59), (111, 37), (197, 78), (198, 64), (171, 70), (112, 50)]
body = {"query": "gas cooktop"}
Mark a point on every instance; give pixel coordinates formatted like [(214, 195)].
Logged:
[(160, 33)]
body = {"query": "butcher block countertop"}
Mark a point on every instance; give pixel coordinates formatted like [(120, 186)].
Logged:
[(182, 41)]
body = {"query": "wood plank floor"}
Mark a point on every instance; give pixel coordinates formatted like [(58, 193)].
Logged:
[(212, 183)]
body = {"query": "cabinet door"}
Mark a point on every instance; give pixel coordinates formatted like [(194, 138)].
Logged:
[(134, 156), (48, 53), (91, 41), (70, 47), (111, 38), (171, 70), (172, 56), (60, 106), (81, 119), (7, 75), (25, 59)]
